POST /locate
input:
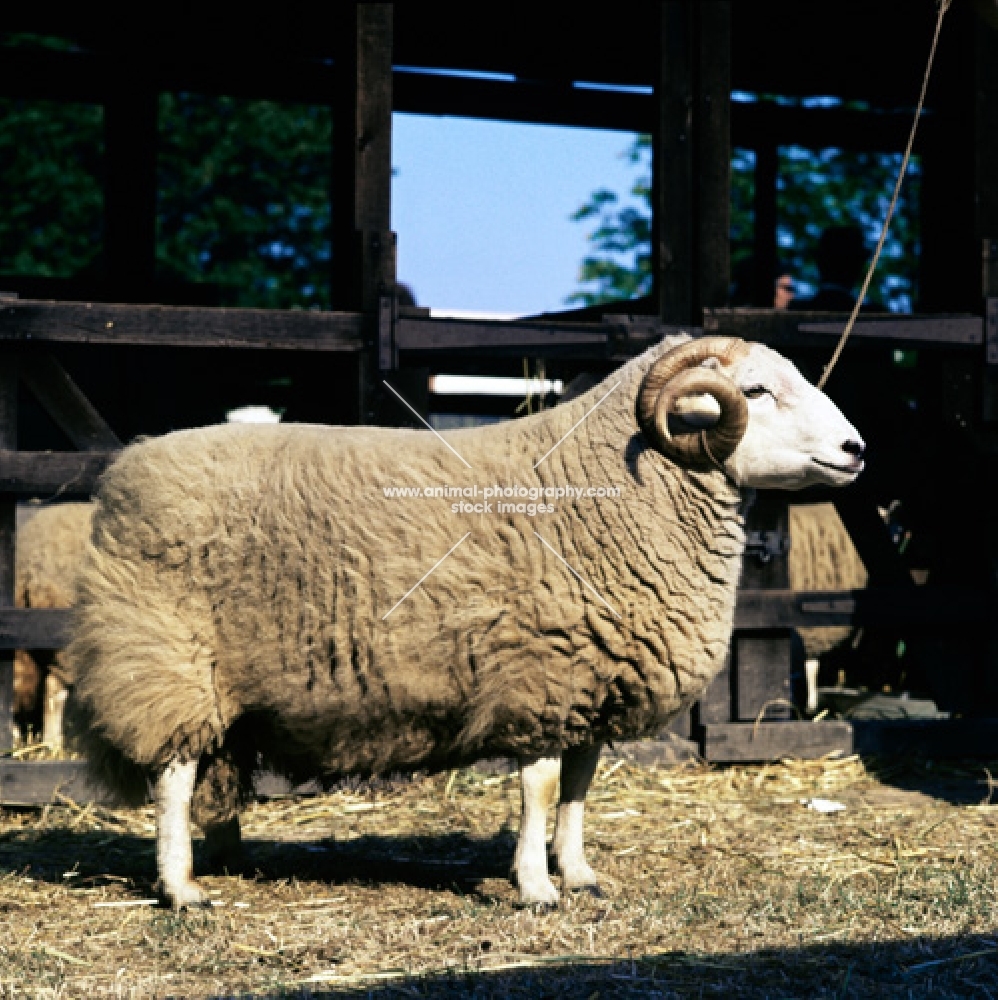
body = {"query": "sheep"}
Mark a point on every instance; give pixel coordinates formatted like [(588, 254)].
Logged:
[(822, 557), (48, 550), (254, 594)]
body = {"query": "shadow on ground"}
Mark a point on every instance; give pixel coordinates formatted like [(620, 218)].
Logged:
[(450, 861), (919, 968), (958, 782)]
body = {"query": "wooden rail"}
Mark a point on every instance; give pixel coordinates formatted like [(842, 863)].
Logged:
[(27, 321)]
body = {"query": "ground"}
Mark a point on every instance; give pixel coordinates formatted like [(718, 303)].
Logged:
[(719, 882)]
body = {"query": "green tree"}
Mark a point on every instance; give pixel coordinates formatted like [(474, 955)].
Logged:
[(244, 198), (815, 189), (620, 265), (51, 198)]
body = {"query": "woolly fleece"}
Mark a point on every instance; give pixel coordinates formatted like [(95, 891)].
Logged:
[(236, 590), (49, 549)]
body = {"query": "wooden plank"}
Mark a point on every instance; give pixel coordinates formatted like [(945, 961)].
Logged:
[(362, 137), (65, 403), (673, 194), (917, 608), (39, 74), (942, 330), (454, 334), (765, 666), (51, 473), (179, 326), (34, 628), (40, 782), (768, 675), (764, 226), (744, 743), (781, 327), (712, 155)]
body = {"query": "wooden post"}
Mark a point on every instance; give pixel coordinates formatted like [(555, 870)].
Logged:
[(766, 665), (363, 244), (712, 156), (764, 235), (8, 441), (691, 169), (986, 170), (672, 166), (130, 190)]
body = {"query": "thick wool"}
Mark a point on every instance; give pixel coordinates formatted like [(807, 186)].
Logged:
[(242, 591), (823, 557), (49, 549)]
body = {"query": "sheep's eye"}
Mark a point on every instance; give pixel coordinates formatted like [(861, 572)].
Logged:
[(755, 391)]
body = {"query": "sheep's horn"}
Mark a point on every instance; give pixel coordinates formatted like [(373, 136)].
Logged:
[(677, 374)]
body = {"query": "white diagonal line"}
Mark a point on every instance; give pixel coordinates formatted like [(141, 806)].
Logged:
[(427, 573), (576, 575), (429, 428), (572, 428)]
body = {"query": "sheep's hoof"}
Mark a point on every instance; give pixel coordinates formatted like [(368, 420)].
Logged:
[(185, 896), (540, 894)]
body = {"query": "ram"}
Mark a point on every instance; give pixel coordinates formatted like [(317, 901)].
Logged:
[(265, 595)]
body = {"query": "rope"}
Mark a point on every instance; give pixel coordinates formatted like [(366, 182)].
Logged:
[(944, 6)]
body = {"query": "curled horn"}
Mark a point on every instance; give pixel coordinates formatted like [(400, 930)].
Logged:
[(677, 374)]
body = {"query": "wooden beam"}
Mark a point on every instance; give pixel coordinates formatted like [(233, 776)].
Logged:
[(673, 196), (66, 404), (784, 327), (38, 74), (916, 609), (8, 440), (712, 155), (743, 742), (40, 782), (362, 167), (51, 473), (179, 326), (764, 230), (34, 628)]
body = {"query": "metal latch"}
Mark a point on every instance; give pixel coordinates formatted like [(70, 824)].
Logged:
[(765, 545)]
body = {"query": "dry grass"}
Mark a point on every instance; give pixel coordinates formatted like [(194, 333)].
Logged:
[(719, 883)]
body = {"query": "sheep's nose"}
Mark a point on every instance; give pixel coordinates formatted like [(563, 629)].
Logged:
[(855, 448)]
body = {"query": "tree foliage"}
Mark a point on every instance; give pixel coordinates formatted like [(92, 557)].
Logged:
[(51, 199), (815, 189), (244, 198)]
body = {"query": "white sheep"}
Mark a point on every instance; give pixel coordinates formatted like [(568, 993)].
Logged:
[(251, 593), (822, 557), (48, 550)]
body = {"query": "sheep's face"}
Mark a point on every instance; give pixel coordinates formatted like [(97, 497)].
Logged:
[(796, 436)]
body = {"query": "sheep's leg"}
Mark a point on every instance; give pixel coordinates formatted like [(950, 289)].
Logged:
[(578, 765), (215, 808), (538, 785), (53, 711), (173, 790)]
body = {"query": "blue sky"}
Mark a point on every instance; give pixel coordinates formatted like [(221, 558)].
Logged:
[(482, 209)]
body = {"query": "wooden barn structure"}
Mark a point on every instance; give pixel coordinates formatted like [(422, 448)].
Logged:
[(88, 363)]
